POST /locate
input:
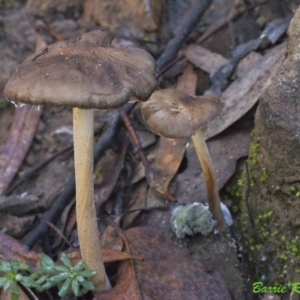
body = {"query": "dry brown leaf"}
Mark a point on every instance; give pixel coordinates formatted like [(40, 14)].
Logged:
[(16, 227), (17, 144), (247, 63), (19, 205), (138, 201), (11, 249), (110, 167), (21, 134), (169, 272), (210, 61), (243, 93), (126, 288), (110, 238), (169, 155), (188, 80), (205, 59)]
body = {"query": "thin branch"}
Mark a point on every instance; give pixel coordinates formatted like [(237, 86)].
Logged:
[(207, 35), (174, 45), (134, 137)]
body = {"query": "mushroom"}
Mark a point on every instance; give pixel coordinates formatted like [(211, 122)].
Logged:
[(85, 73), (174, 114)]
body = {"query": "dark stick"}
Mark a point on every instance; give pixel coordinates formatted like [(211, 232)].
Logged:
[(208, 34), (66, 196), (174, 45), (52, 215), (134, 137)]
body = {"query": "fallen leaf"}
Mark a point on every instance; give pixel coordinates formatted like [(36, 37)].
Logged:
[(110, 238), (243, 93), (16, 227), (126, 288), (247, 63), (21, 135), (138, 201), (16, 146), (11, 249), (219, 79), (19, 205), (205, 59), (110, 167), (169, 272), (168, 156)]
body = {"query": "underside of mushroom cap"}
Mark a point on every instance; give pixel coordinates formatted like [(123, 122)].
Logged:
[(85, 73), (174, 114)]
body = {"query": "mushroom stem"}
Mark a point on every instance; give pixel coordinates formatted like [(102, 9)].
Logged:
[(90, 243), (211, 184)]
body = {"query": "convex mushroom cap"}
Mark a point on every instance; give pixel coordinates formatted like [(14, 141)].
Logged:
[(86, 73), (174, 114)]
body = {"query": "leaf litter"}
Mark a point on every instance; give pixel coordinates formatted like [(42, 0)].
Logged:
[(186, 186)]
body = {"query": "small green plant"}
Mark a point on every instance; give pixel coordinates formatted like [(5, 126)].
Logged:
[(66, 277), (11, 276)]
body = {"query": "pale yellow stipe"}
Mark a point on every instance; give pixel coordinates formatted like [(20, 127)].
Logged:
[(89, 239)]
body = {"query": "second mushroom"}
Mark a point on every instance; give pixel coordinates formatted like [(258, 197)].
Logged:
[(174, 114), (85, 73)]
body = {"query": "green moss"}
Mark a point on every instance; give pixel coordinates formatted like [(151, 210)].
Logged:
[(285, 247), (295, 191), (254, 147), (275, 232), (277, 188), (265, 175), (241, 182)]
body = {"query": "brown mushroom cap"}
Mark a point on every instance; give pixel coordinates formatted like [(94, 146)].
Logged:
[(86, 73), (174, 114)]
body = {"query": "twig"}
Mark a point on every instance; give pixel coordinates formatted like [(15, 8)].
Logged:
[(40, 54), (134, 137), (174, 45), (59, 233), (42, 26), (207, 35)]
